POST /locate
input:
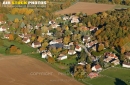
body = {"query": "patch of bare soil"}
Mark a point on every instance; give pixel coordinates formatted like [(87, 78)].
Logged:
[(24, 70)]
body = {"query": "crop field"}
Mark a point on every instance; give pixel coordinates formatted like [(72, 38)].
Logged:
[(89, 8), (24, 70)]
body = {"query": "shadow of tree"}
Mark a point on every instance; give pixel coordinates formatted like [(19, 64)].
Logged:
[(119, 82)]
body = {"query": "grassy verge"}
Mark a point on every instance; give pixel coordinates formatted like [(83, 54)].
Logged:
[(24, 47)]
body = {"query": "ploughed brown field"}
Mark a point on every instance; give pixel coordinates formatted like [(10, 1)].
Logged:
[(24, 70), (89, 8)]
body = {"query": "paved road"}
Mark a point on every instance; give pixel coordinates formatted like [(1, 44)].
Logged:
[(86, 50)]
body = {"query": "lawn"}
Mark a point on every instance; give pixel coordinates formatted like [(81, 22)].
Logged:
[(102, 81), (24, 47), (112, 76), (12, 17), (120, 73)]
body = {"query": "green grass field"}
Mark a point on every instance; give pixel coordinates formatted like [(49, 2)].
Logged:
[(112, 76), (12, 17), (24, 47)]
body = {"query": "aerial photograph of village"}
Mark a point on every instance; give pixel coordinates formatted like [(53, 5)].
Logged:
[(64, 42)]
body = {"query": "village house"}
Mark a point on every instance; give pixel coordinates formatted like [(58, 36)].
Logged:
[(74, 19), (109, 57), (54, 25), (96, 68), (126, 65), (86, 38), (62, 57), (93, 75), (93, 29), (3, 28), (21, 35), (56, 41), (27, 35), (90, 44), (66, 46), (71, 43), (94, 47), (44, 55), (38, 25), (78, 48), (49, 54), (2, 22), (26, 40), (6, 36), (52, 22), (82, 63), (127, 55), (116, 61), (48, 33), (36, 44), (71, 52), (65, 18)]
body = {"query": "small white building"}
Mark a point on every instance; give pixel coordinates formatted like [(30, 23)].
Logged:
[(86, 38), (71, 52), (2, 28), (26, 40), (78, 48), (66, 46), (96, 68), (82, 63), (36, 44), (62, 57), (126, 65), (44, 55), (65, 18)]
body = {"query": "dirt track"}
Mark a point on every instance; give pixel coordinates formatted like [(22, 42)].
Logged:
[(89, 8), (24, 70)]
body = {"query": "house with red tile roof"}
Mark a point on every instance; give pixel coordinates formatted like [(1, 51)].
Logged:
[(78, 48), (109, 57), (96, 68), (93, 75)]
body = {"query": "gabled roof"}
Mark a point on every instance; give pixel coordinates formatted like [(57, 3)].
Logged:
[(77, 47), (126, 63), (97, 66), (36, 43), (25, 39)]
